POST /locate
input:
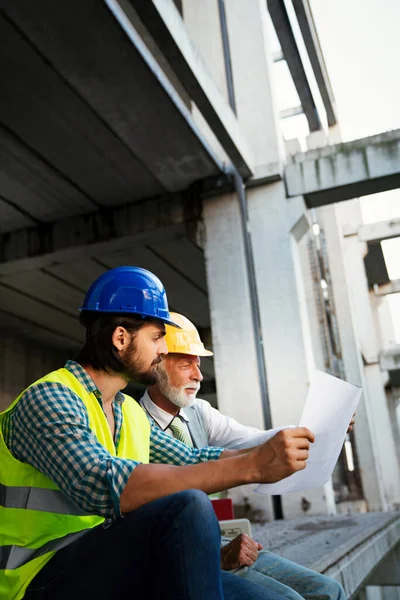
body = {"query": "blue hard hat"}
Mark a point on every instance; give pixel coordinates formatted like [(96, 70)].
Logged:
[(129, 290)]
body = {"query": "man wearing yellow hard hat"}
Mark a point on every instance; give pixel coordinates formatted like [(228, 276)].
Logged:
[(172, 406)]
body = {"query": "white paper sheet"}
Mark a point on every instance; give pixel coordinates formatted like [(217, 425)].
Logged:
[(329, 408)]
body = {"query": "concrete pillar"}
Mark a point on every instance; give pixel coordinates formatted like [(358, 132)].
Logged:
[(312, 288), (373, 432), (351, 355), (233, 341), (277, 226), (237, 380)]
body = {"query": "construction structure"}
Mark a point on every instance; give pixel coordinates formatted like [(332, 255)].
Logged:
[(148, 133)]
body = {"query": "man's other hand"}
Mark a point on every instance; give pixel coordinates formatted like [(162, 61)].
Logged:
[(241, 552)]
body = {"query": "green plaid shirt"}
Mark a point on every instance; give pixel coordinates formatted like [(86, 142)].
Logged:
[(49, 429)]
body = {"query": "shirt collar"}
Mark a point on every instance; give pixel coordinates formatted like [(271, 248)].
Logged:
[(84, 378), (161, 416)]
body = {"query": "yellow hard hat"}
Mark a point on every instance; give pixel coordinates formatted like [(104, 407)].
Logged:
[(185, 340)]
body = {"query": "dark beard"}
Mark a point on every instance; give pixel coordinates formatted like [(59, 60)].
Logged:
[(134, 367)]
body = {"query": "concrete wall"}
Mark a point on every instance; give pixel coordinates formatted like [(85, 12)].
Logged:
[(21, 363)]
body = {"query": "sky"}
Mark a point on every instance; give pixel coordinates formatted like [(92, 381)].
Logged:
[(361, 45)]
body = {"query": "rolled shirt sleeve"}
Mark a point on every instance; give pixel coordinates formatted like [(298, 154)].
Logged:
[(229, 433)]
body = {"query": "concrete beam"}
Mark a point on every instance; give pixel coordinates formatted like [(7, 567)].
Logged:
[(164, 23), (376, 232), (393, 287), (283, 28), (345, 171), (97, 233), (311, 40)]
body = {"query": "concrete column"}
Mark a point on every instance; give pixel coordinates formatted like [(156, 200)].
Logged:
[(312, 287), (373, 432), (351, 355), (237, 380), (233, 341), (277, 226)]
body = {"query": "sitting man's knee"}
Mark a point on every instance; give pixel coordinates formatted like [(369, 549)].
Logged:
[(198, 504), (196, 498)]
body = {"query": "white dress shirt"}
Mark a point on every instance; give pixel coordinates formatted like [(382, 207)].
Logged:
[(161, 417), (222, 431)]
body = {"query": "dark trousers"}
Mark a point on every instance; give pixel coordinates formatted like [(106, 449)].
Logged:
[(169, 548)]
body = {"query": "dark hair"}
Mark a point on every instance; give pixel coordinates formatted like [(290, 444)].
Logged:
[(99, 352)]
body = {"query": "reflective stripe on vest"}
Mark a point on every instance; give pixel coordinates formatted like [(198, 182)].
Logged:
[(12, 557), (53, 501), (36, 518)]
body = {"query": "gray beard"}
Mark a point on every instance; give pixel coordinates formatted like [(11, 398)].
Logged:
[(177, 396)]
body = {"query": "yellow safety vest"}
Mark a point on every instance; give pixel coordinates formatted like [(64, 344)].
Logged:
[(36, 518)]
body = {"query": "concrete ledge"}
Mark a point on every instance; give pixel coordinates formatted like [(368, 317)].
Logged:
[(347, 548), (358, 564), (376, 232), (344, 171)]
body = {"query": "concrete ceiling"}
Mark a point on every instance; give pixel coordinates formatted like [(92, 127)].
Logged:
[(88, 123)]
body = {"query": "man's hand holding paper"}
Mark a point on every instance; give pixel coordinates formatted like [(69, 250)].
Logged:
[(284, 454)]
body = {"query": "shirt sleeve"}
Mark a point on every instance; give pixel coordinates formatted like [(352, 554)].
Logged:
[(168, 450), (50, 430), (228, 433)]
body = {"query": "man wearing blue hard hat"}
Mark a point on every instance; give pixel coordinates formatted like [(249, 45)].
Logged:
[(95, 503)]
